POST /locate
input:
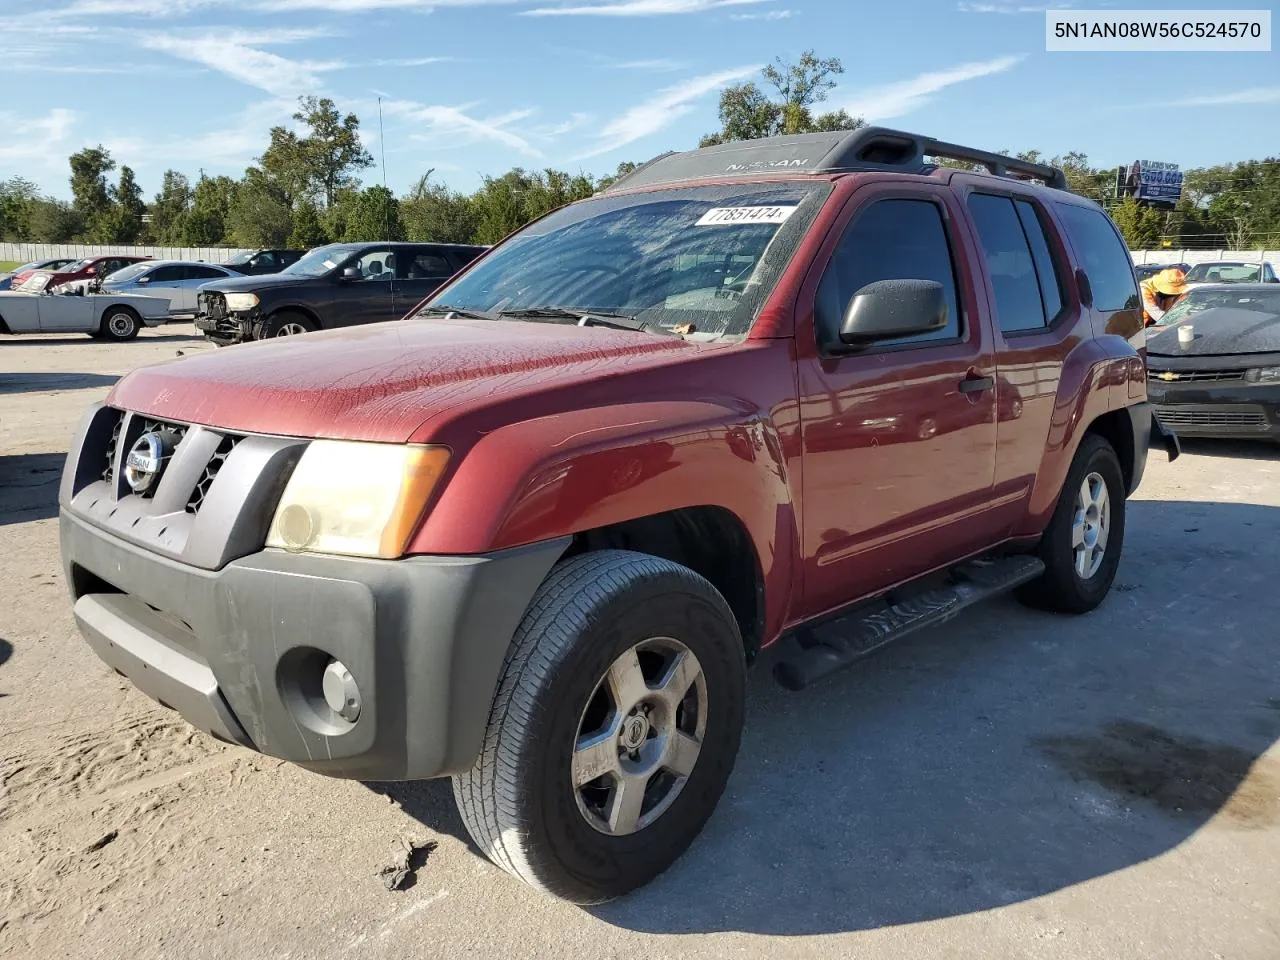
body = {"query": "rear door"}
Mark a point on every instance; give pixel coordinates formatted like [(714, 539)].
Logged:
[(420, 270), (367, 299), (1038, 321), (194, 277)]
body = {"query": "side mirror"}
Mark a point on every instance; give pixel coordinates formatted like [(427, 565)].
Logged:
[(91, 270), (351, 273), (894, 308), (144, 280)]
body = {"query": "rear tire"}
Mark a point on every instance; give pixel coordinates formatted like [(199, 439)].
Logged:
[(119, 323), (286, 323), (1081, 546), (626, 674)]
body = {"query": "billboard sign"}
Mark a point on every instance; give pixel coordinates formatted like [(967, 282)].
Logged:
[(1155, 182)]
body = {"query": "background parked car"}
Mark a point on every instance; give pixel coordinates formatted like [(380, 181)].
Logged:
[(1226, 381), (15, 278), (338, 285), (257, 262), (179, 280), (1147, 270), (1232, 271), (90, 268)]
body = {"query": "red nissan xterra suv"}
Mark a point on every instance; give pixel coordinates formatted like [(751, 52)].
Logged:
[(812, 388)]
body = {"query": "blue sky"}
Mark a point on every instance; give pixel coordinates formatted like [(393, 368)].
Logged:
[(474, 87)]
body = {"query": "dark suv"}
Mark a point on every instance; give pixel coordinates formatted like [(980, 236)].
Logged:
[(253, 263), (338, 285)]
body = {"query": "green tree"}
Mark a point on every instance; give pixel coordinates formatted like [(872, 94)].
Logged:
[(170, 208), (433, 212), (17, 195), (624, 168), (206, 223), (375, 215), (749, 113), (91, 196), (1140, 223), (322, 161), (122, 223), (308, 229), (260, 213), (54, 221)]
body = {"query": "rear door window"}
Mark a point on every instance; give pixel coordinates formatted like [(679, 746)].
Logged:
[(1024, 277), (424, 265), (167, 274), (204, 273), (1104, 257)]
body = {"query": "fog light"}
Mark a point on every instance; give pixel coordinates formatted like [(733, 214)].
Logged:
[(340, 691)]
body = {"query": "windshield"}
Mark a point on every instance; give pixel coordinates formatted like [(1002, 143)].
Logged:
[(320, 260), (1198, 301), (77, 266), (1223, 273), (130, 272), (694, 260), (242, 258)]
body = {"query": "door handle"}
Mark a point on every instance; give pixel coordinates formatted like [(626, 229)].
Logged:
[(976, 384)]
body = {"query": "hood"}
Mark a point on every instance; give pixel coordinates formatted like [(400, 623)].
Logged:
[(1221, 331), (383, 381), (251, 283)]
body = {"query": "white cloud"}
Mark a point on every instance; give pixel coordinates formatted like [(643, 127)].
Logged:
[(767, 15), (906, 96), (637, 8), (238, 55), (38, 139), (455, 122), (576, 121), (661, 110), (1251, 96), (965, 6), (659, 65), (413, 61)]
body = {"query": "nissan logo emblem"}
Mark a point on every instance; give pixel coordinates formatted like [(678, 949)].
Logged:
[(146, 461)]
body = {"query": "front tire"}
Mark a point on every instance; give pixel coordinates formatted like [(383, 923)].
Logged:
[(1081, 546), (119, 323), (613, 730), (286, 323)]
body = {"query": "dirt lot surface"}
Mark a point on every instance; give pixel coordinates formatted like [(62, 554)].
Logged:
[(1012, 785)]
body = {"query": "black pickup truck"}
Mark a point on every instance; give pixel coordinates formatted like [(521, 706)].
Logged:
[(339, 285)]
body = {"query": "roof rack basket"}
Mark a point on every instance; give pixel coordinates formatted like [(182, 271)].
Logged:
[(867, 149)]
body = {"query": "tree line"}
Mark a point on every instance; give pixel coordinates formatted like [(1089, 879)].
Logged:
[(305, 188)]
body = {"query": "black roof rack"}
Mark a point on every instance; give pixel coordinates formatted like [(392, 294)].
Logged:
[(841, 151)]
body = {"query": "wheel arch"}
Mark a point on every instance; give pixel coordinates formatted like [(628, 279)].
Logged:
[(304, 310)]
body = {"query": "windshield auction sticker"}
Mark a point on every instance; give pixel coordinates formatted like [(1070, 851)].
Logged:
[(725, 216)]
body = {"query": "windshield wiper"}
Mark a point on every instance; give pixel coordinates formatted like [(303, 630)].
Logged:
[(444, 309), (585, 318)]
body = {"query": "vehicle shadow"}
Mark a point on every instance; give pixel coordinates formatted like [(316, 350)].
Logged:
[(1002, 757), (29, 486), (49, 381), (1235, 449), (49, 340), (6, 651)]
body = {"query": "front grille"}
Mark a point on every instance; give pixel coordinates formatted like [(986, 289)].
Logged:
[(211, 469), (1194, 376), (109, 473), (1242, 417), (214, 304)]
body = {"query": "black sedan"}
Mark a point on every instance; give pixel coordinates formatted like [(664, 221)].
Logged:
[(1222, 379)]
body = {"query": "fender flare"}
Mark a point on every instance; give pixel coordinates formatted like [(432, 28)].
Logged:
[(561, 475)]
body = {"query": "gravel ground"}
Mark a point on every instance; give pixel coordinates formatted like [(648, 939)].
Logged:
[(1011, 785)]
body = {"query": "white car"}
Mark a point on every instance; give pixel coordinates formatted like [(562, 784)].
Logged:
[(179, 280), (1231, 271), (101, 315)]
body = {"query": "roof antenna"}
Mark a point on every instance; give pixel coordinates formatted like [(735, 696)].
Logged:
[(383, 141)]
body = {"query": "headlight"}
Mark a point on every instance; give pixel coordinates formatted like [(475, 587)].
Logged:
[(357, 499), (241, 301), (1262, 375)]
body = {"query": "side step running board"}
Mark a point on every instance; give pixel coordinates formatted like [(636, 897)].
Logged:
[(836, 644)]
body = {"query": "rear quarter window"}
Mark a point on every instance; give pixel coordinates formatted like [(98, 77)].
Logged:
[(1103, 256)]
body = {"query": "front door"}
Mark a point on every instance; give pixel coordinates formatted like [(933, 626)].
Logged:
[(419, 272), (369, 298), (67, 314), (899, 437)]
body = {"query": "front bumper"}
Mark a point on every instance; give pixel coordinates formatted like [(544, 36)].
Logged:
[(1211, 410), (228, 327), (239, 651)]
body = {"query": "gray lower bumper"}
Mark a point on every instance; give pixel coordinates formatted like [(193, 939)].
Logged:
[(238, 651)]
